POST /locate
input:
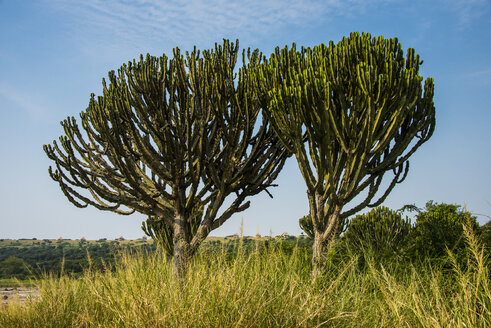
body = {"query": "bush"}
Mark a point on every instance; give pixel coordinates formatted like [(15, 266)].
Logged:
[(438, 228), (382, 232)]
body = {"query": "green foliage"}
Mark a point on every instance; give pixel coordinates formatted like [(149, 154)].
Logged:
[(34, 260), (27, 260), (382, 232), (161, 233), (440, 227)]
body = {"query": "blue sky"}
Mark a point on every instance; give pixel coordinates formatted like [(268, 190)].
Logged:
[(54, 53)]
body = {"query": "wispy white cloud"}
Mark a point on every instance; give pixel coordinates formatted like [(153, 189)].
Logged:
[(24, 101), (468, 10), (483, 77), (190, 22)]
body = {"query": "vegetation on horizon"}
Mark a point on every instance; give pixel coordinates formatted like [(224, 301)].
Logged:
[(31, 259)]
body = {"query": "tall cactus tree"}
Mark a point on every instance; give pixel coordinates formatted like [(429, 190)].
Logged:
[(172, 139), (349, 112)]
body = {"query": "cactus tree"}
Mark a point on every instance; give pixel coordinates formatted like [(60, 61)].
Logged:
[(349, 112), (172, 139)]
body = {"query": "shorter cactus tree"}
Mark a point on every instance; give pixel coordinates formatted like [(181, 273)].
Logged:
[(350, 112), (305, 223), (381, 231)]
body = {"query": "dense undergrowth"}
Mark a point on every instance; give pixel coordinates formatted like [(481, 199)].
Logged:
[(269, 286)]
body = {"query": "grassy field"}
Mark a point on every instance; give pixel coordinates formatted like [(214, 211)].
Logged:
[(268, 287)]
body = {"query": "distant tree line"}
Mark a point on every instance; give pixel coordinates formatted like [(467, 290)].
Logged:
[(23, 261)]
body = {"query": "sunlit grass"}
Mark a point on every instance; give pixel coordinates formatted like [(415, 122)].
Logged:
[(267, 287)]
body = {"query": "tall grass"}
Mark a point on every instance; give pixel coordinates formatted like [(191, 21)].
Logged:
[(268, 287)]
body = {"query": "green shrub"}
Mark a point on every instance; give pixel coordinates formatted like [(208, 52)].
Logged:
[(382, 232), (163, 234), (438, 228)]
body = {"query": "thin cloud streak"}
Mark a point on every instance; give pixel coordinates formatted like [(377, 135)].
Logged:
[(24, 101), (468, 10), (204, 20), (482, 77)]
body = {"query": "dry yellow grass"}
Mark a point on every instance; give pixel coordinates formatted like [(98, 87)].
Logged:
[(264, 288)]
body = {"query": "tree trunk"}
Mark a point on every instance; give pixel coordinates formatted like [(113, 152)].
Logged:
[(182, 249), (324, 240), (319, 253)]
